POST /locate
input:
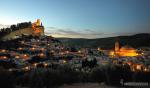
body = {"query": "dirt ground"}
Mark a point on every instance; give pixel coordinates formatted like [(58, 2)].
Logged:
[(86, 85), (83, 85)]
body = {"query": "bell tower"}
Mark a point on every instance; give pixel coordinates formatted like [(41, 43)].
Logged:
[(116, 46), (38, 22), (38, 28)]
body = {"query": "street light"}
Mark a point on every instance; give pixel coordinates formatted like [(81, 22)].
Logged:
[(33, 48), (79, 51), (20, 48), (64, 61), (27, 68), (45, 64), (35, 64), (4, 57), (67, 52), (3, 51), (138, 67), (17, 57)]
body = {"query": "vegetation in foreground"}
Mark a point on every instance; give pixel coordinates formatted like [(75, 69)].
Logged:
[(55, 77)]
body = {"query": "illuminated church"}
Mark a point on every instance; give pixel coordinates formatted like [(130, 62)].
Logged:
[(123, 51)]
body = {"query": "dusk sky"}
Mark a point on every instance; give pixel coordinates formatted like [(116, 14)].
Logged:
[(80, 18)]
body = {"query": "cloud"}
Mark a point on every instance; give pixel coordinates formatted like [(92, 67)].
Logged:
[(67, 32), (90, 33), (88, 30)]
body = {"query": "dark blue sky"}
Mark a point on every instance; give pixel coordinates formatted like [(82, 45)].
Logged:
[(80, 18)]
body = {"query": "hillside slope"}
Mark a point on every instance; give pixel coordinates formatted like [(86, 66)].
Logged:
[(138, 40), (24, 31)]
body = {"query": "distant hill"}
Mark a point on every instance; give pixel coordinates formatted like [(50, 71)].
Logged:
[(137, 40)]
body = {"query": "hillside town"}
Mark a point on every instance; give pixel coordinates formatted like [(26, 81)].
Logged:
[(48, 50), (28, 52), (74, 43)]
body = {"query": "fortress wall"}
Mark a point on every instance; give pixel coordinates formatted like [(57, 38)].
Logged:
[(42, 30), (25, 31), (12, 35)]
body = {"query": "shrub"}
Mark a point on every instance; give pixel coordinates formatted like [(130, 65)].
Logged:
[(6, 79), (68, 74), (98, 75)]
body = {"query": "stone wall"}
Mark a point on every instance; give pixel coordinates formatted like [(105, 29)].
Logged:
[(25, 31)]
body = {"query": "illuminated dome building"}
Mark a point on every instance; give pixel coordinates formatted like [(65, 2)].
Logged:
[(123, 51)]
